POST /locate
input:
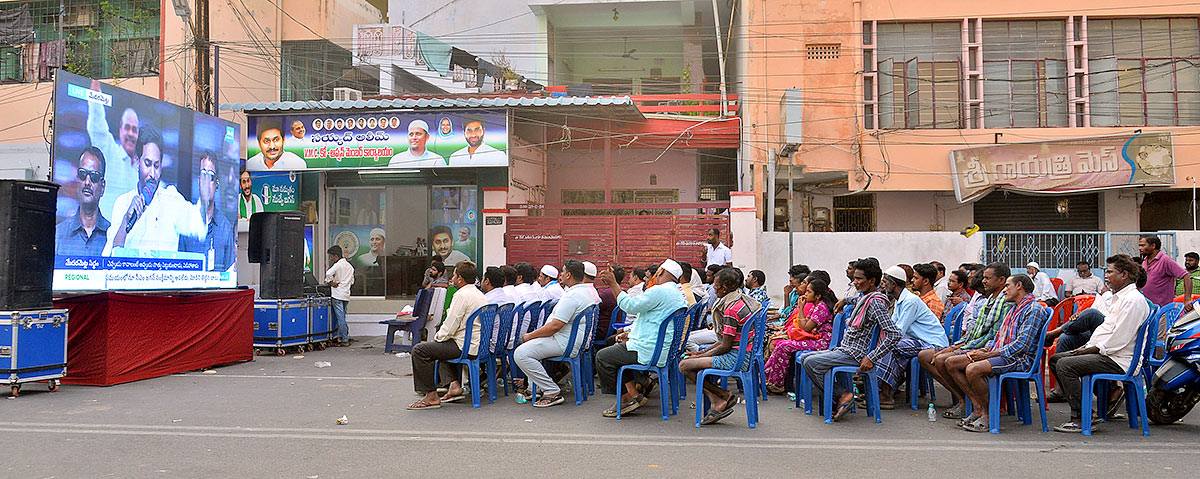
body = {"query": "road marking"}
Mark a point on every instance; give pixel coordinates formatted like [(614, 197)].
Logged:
[(326, 378), (1081, 447)]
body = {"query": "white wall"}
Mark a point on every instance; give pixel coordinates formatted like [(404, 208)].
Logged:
[(831, 252), (1120, 211), (22, 160)]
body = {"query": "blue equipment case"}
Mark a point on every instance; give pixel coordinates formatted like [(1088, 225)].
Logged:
[(33, 347), (319, 327), (280, 324)]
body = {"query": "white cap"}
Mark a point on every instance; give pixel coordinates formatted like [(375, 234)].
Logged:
[(672, 267), (589, 269), (898, 273), (550, 271), (419, 124), (1034, 265)]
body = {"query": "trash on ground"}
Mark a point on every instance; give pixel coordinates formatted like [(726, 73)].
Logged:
[(177, 420), (529, 420), (322, 364), (402, 355), (208, 371), (342, 421), (298, 356)]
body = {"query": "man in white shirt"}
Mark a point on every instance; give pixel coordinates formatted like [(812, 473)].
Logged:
[(551, 340), (551, 290), (1085, 282), (1043, 288), (589, 273), (340, 277), (510, 275), (153, 216), (717, 252), (494, 293), (417, 154), (448, 343), (1110, 349), (120, 172), (477, 153), (941, 285), (248, 202), (271, 155)]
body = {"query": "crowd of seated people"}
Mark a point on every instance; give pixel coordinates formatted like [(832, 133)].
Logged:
[(890, 317)]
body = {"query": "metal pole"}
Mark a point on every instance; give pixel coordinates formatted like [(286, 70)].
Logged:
[(791, 214), (769, 184), (1193, 178), (216, 81), (720, 57)]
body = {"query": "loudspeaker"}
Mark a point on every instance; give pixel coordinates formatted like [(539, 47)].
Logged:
[(277, 243), (27, 244)]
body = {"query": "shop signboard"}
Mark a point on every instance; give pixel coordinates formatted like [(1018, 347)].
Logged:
[(1062, 166), (432, 139)]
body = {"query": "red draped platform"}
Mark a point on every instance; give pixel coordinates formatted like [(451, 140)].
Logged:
[(117, 338)]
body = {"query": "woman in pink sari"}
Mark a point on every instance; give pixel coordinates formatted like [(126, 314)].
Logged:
[(810, 331)]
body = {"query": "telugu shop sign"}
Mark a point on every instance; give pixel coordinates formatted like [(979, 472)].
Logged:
[(1069, 165)]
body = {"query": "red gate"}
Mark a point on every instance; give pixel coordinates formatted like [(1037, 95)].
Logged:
[(629, 241)]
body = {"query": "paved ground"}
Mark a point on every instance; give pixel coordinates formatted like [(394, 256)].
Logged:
[(275, 417)]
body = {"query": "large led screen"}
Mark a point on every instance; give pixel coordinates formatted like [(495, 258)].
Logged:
[(149, 196)]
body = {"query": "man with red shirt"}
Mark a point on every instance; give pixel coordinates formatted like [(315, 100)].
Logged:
[(1161, 273)]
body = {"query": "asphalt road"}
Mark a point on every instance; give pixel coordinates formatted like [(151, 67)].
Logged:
[(275, 417)]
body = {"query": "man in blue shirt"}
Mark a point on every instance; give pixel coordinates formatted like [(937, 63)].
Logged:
[(85, 232), (218, 245), (636, 346), (919, 329)]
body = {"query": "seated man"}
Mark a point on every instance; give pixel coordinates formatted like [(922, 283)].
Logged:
[(552, 339), (493, 293), (608, 305), (435, 276), (730, 312), (636, 345), (756, 282), (870, 311), (1084, 281), (1110, 347), (551, 290), (919, 330), (923, 281), (448, 343), (1013, 349), (980, 328)]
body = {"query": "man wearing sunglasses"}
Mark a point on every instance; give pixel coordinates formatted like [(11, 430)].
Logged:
[(85, 232), (218, 245)]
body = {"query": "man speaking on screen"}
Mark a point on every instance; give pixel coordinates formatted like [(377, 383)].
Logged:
[(218, 246), (154, 216)]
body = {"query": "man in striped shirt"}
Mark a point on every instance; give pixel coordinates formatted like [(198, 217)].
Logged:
[(870, 316)]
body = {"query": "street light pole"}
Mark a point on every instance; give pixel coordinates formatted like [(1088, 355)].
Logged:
[(1193, 180)]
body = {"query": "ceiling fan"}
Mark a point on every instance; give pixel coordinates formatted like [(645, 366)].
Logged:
[(628, 52)]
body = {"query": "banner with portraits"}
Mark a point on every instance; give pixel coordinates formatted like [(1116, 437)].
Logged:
[(433, 139)]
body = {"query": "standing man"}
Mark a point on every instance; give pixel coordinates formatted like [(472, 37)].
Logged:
[(477, 152), (551, 340), (218, 246), (120, 168), (85, 232), (1191, 262), (417, 153), (248, 203), (1161, 273), (448, 343), (339, 276), (154, 215), (717, 252), (271, 155), (1043, 288), (1085, 282)]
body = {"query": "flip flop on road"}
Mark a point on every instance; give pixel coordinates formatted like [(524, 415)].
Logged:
[(715, 415), (547, 401), (842, 410), (455, 398), (421, 405), (978, 425)]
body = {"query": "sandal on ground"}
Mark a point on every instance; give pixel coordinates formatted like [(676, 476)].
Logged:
[(775, 389), (887, 406), (421, 405), (954, 413), (547, 401), (626, 407), (1114, 406), (966, 420), (978, 425), (647, 387), (1054, 396), (842, 410), (715, 415), (1070, 427), (455, 398)]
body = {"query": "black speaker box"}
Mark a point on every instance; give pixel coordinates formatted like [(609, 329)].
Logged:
[(27, 244), (277, 244)]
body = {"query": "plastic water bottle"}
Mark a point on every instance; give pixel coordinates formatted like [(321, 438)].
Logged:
[(932, 413)]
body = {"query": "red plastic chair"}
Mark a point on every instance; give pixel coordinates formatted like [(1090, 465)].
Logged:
[(1059, 315), (1058, 286)]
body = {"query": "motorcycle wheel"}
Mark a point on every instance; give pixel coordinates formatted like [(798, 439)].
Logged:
[(1167, 407)]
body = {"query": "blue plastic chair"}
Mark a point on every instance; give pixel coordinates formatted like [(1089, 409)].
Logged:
[(547, 308), (484, 316), (420, 315), (1134, 381), (872, 384), (676, 324), (1167, 315), (695, 320), (759, 365), (756, 325), (617, 320), (803, 385), (533, 310), (1021, 393), (584, 322), (920, 381), (499, 351)]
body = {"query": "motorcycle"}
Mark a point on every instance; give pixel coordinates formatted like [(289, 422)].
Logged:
[(1175, 388)]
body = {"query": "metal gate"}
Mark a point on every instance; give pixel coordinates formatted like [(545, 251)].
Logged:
[(1062, 250), (628, 241)]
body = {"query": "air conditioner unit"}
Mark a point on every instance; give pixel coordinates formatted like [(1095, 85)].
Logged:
[(346, 94)]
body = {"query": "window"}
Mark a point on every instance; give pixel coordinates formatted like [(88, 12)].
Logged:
[(109, 39), (854, 213), (619, 196), (1024, 74), (919, 75), (311, 69), (1143, 72)]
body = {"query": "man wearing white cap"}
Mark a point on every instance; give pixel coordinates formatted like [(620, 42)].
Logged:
[(551, 290), (417, 155), (589, 271), (919, 329), (1043, 289), (637, 345), (552, 339)]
